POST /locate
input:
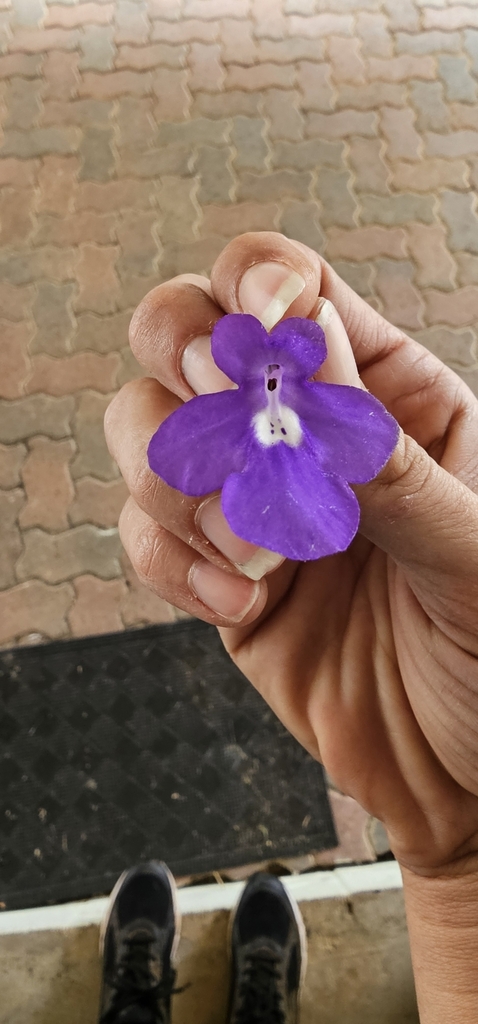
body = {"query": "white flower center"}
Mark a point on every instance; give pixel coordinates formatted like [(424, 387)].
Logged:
[(276, 422), (284, 426)]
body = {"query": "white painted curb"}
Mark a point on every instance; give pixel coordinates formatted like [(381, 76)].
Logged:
[(199, 899)]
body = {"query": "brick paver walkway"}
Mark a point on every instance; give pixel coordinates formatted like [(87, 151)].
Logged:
[(138, 137)]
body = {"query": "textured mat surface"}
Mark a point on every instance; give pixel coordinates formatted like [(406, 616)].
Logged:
[(143, 744)]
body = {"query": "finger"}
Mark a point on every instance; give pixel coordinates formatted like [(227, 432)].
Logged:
[(132, 418), (258, 272), (173, 570), (170, 335)]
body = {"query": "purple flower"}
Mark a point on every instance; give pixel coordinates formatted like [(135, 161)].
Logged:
[(282, 449)]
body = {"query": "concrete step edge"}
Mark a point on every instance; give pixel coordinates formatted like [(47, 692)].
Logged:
[(341, 882)]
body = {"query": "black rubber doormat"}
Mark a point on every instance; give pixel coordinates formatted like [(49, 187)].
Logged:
[(143, 744)]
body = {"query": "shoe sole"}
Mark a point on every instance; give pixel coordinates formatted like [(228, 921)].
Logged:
[(300, 927), (177, 913)]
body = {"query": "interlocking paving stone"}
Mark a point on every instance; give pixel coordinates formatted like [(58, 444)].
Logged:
[(452, 346), (11, 502), (97, 48), (85, 113), (471, 45), (457, 309), (429, 174), (461, 143), (428, 42), (432, 111), (247, 137), (233, 219), (178, 209), (96, 153), (461, 217), (11, 460), (98, 605), (370, 170), (57, 557), (53, 318), (366, 243), (39, 142), (302, 221), (92, 455), (23, 103), (97, 502), (201, 131), (459, 84), (339, 205), (467, 268), (48, 486), (464, 115), (397, 209), (37, 414), (403, 140), (401, 301), (216, 180), (34, 607), (372, 96), (358, 275), (303, 156), (100, 333), (428, 246), (277, 185), (15, 359), (281, 108)]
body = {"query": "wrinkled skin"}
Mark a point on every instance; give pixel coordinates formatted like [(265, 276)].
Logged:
[(368, 657)]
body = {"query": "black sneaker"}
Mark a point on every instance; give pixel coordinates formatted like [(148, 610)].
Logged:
[(268, 948), (139, 938)]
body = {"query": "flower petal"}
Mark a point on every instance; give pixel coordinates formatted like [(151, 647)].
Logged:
[(283, 501), (300, 346), (353, 434), (200, 443), (240, 346)]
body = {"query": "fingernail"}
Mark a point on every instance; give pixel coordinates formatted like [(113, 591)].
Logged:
[(254, 562), (340, 366), (261, 563), (227, 595), (268, 289), (326, 311), (200, 370)]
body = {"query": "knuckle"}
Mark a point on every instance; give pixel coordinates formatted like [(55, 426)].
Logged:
[(117, 410), (147, 556), (405, 478), (145, 486), (143, 317)]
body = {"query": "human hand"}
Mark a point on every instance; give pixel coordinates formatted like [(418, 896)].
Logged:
[(369, 657)]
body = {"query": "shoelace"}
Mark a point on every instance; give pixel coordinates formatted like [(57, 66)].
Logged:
[(132, 984), (260, 1000)]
